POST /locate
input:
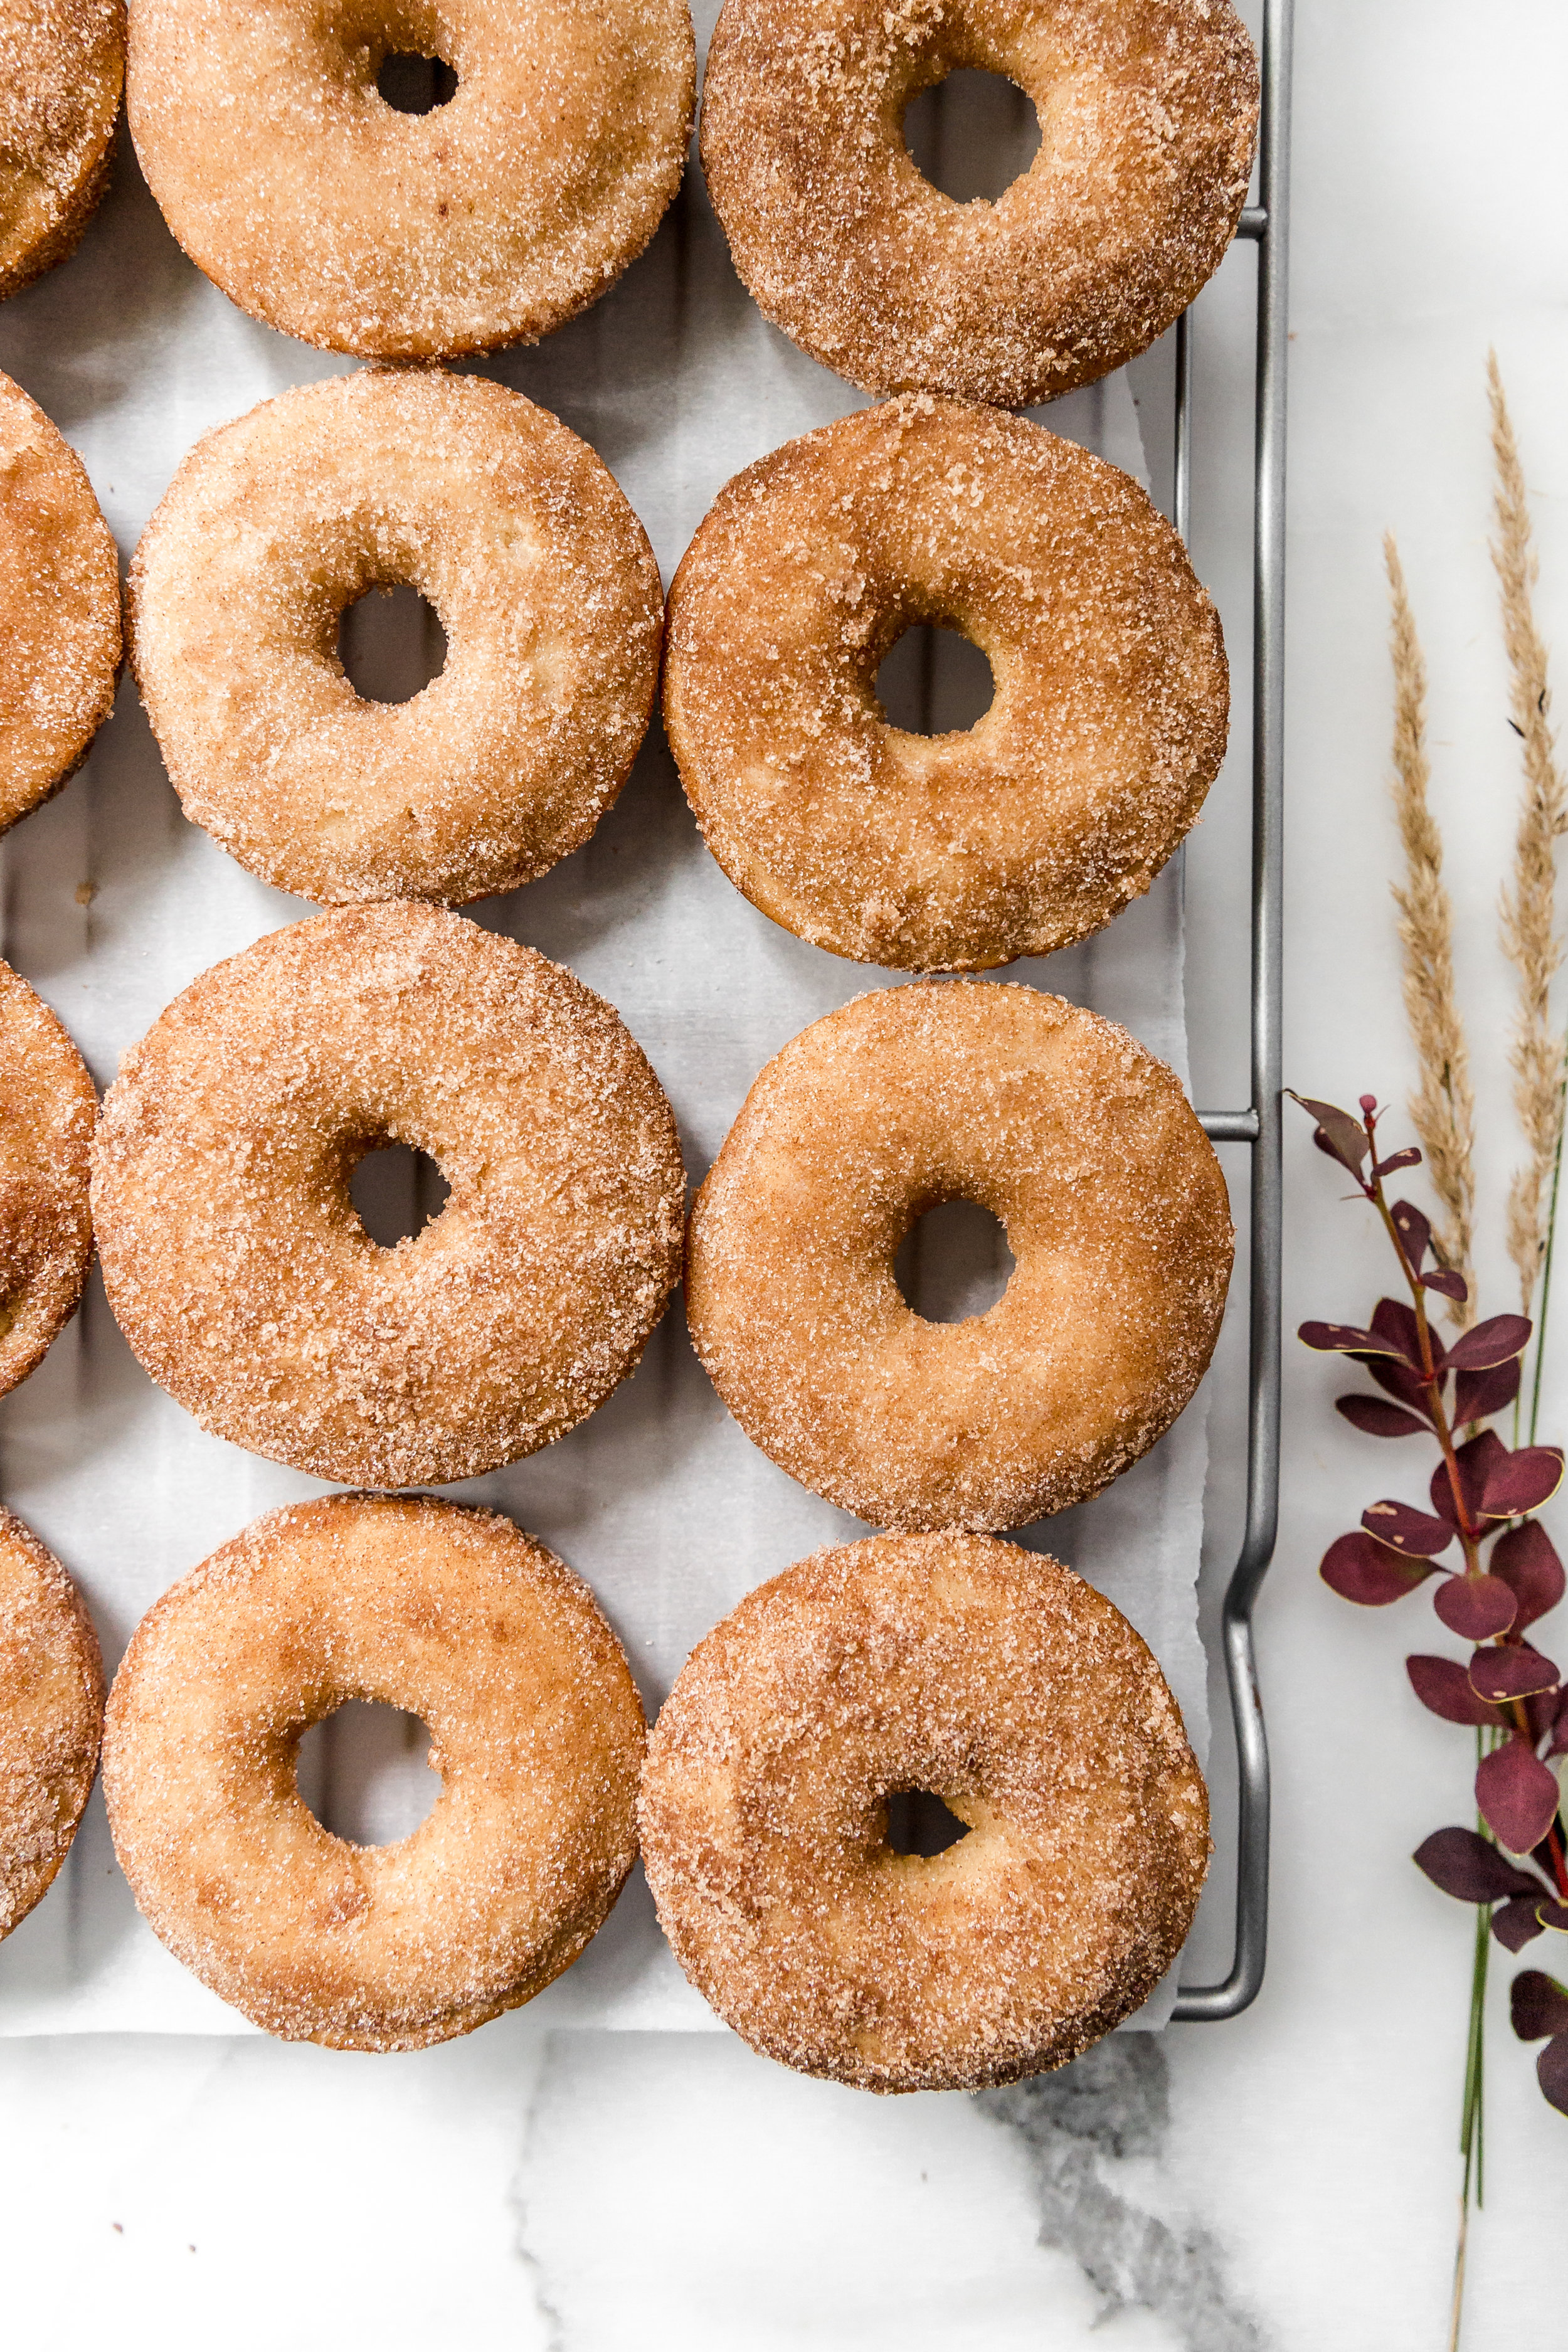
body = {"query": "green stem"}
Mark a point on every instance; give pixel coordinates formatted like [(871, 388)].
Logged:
[(1546, 1263)]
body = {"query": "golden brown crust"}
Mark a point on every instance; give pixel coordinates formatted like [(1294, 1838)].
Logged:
[(996, 1679), (544, 582), (62, 63), (960, 851), (60, 608), (536, 1729), (234, 1262), (320, 209), (46, 1110), (1148, 112), (1115, 1210), (51, 1711)]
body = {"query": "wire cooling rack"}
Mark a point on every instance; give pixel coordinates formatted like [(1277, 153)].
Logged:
[(1265, 225)]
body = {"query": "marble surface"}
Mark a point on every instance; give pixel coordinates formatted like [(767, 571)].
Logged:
[(1274, 2184)]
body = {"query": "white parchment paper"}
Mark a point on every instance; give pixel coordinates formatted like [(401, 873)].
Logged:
[(112, 902)]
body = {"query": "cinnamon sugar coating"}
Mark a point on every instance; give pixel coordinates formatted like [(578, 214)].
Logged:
[(1086, 1149), (51, 1710), (234, 1259), (993, 1677), (60, 608), (62, 63), (1148, 114), (46, 1110), (536, 1730), (321, 208), (543, 581), (958, 851)]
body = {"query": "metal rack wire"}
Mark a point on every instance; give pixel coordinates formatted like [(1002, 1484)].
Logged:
[(1266, 225)]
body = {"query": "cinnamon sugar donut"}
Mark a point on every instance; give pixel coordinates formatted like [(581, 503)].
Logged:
[(963, 850), (47, 1109), (1148, 113), (234, 1259), (61, 66), (51, 1708), (998, 1681), (1079, 1142), (544, 582), (321, 208), (60, 608), (536, 1730)]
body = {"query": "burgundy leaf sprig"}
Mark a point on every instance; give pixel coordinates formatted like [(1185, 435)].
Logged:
[(1495, 1568)]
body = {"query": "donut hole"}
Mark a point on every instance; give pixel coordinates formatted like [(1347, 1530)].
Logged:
[(395, 1191), (971, 134), (412, 84), (953, 1263), (364, 1772), (919, 1823), (391, 643), (934, 681)]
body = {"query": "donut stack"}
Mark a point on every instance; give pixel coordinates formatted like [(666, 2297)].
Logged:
[(933, 1657)]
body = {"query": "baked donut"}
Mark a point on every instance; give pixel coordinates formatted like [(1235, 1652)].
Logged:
[(544, 582), (61, 66), (536, 1730), (51, 1711), (1148, 112), (47, 1109), (1079, 1142), (996, 1680), (242, 1276), (59, 607), (321, 208), (958, 851)]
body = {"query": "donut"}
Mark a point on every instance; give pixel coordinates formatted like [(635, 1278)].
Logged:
[(51, 1711), (61, 66), (325, 211), (536, 1730), (544, 582), (1086, 1149), (60, 608), (998, 1681), (963, 850), (48, 1106), (243, 1280), (1148, 111)]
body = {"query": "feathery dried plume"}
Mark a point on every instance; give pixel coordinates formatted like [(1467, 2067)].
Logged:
[(1529, 910), (1442, 1106)]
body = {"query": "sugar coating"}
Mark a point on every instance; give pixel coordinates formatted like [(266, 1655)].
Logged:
[(234, 1262), (51, 1708), (46, 1110), (321, 209), (961, 851), (543, 581), (62, 63), (536, 1730), (1115, 1210), (60, 608), (992, 1677), (1148, 114)]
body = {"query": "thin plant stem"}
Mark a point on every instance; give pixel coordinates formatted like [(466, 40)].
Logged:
[(1546, 1262)]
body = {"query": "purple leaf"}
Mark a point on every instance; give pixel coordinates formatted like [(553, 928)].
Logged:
[(1491, 1342), (1345, 1339), (1523, 1481), (1398, 1381), (1551, 2073), (1515, 1924), (1408, 1157), (1517, 1796), (1553, 1916), (1477, 1396), (1369, 1574), (1392, 1320), (1341, 1136), (1475, 1607), (1415, 1535), (1413, 1230), (1527, 1561), (1558, 1745), (1376, 1419), (1475, 1461), (1443, 1684), (1537, 2005), (1451, 1285), (1468, 1867), (1517, 1672)]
